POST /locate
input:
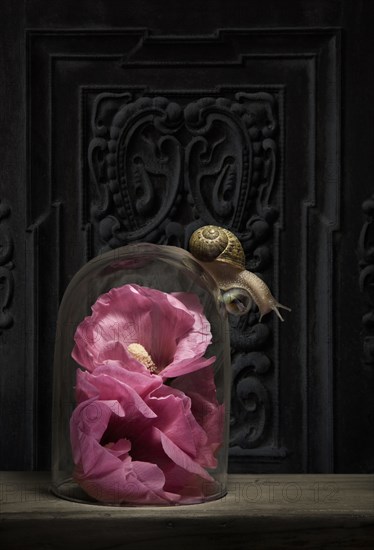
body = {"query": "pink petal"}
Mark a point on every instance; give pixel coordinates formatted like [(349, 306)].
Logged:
[(108, 473), (167, 323), (127, 483), (181, 458), (178, 479), (200, 387), (115, 351), (116, 317), (119, 449), (185, 366), (200, 337), (142, 382), (174, 419), (105, 387), (172, 328), (87, 426)]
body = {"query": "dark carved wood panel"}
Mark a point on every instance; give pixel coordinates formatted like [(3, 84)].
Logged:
[(366, 279), (156, 161), (163, 166), (6, 266), (124, 122)]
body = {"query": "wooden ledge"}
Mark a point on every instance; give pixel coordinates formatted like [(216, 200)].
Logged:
[(260, 511)]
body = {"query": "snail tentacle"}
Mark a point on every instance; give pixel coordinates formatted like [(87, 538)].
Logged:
[(261, 294), (275, 307)]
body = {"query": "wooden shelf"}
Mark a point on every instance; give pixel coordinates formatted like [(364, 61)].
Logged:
[(266, 511)]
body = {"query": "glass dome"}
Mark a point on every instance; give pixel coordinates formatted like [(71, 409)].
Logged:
[(141, 381)]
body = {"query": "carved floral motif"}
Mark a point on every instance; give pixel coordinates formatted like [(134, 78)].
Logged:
[(161, 169), (366, 265), (6, 266)]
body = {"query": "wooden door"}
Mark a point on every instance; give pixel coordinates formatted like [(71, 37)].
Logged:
[(126, 122)]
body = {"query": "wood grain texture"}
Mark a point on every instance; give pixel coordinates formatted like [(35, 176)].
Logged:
[(272, 511)]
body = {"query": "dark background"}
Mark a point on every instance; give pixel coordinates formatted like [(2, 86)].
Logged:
[(266, 127)]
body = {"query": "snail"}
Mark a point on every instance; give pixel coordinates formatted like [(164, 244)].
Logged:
[(220, 252)]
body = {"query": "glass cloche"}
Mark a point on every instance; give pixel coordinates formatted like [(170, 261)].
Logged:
[(141, 381)]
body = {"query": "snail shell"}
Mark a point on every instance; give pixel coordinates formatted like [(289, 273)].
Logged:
[(221, 253), (211, 243)]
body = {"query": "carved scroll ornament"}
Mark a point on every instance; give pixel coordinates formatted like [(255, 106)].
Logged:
[(6, 266), (161, 169), (366, 278)]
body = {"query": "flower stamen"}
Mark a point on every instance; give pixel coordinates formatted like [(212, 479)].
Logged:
[(140, 354)]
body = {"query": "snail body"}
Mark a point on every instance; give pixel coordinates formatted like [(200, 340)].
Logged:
[(237, 301), (222, 255)]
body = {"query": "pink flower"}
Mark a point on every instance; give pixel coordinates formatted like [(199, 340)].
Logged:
[(147, 425), (137, 440), (171, 328)]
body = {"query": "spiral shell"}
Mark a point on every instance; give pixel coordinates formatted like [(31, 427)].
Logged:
[(212, 243)]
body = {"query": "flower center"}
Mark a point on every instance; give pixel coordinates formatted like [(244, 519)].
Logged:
[(140, 354)]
